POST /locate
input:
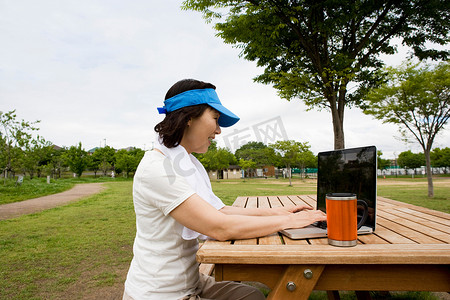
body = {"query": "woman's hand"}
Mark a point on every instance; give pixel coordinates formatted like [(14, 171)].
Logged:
[(289, 210), (306, 217)]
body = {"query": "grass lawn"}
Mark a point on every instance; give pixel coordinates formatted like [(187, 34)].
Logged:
[(69, 252), (83, 250), (37, 187)]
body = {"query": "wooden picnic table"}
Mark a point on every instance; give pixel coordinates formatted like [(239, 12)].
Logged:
[(409, 251)]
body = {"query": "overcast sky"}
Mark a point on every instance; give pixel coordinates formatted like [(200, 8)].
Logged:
[(95, 71)]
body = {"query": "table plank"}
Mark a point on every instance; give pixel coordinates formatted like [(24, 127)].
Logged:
[(412, 234), (252, 202), (240, 202), (425, 210), (273, 239), (437, 223), (325, 254), (318, 241), (285, 201), (307, 199), (289, 241), (391, 236), (274, 201), (385, 278), (425, 216), (263, 202), (415, 225), (371, 239)]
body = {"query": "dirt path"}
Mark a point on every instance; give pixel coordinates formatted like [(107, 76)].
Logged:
[(12, 210)]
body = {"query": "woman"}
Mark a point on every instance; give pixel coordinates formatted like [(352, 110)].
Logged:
[(175, 205)]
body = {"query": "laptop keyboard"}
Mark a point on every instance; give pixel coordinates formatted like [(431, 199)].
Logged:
[(320, 224)]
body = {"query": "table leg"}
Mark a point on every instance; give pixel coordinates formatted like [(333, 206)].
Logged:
[(297, 282), (333, 295)]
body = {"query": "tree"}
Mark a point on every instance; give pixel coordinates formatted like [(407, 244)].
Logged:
[(216, 158), (125, 162), (246, 165), (93, 164), (290, 153), (440, 158), (315, 50), (138, 153), (306, 159), (104, 157), (57, 160), (128, 160), (76, 159), (410, 160), (382, 163), (258, 152), (14, 135), (417, 98), (37, 155)]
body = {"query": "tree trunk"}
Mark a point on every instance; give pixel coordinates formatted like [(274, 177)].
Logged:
[(429, 174), (337, 105), (289, 171), (338, 130)]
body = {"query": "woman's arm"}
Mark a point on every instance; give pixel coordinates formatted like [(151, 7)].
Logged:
[(198, 215), (232, 210)]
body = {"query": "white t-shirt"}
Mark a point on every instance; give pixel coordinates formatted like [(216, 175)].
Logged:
[(190, 168), (164, 265)]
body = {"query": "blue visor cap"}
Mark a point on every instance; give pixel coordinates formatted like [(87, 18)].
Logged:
[(200, 96)]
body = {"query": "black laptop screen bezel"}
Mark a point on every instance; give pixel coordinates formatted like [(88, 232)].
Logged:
[(352, 170)]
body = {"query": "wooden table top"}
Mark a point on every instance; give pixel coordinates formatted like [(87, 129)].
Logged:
[(405, 234)]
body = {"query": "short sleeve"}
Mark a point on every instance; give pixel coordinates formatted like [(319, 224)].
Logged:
[(157, 184)]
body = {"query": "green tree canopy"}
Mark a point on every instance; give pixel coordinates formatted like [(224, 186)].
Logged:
[(306, 159), (127, 160), (246, 165), (291, 153), (313, 50), (216, 158), (440, 157), (410, 160), (15, 135), (417, 98), (104, 157), (259, 153), (76, 159), (37, 156), (381, 162)]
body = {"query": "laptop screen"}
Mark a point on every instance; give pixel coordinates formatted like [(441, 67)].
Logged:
[(349, 171)]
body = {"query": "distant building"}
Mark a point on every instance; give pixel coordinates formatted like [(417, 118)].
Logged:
[(268, 171), (233, 172), (91, 151), (128, 148)]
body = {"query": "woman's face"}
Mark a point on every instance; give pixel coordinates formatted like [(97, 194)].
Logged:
[(201, 131)]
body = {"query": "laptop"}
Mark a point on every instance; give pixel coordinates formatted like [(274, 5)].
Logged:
[(344, 171)]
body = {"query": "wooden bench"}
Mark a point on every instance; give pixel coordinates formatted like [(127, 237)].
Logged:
[(206, 269)]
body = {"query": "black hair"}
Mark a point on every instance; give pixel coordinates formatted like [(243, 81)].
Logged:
[(172, 128)]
